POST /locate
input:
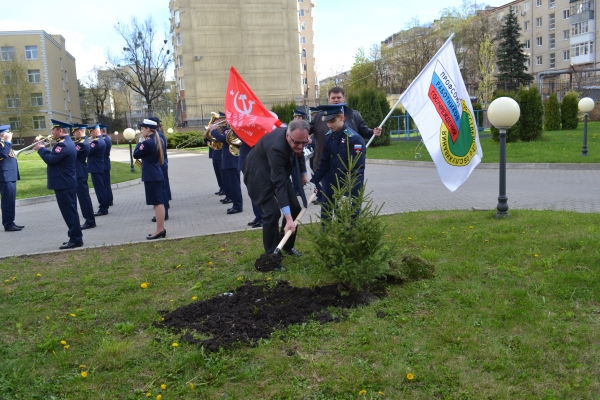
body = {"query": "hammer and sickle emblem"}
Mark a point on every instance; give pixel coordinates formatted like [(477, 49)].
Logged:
[(245, 109)]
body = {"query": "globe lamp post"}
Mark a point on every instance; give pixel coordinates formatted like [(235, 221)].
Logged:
[(129, 134), (117, 136), (170, 130), (503, 113), (585, 106)]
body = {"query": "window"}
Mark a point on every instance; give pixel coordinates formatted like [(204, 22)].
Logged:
[(579, 28), (538, 22), (303, 26), (579, 7), (566, 13), (526, 25), (37, 100), (552, 60), (527, 44), (551, 40), (181, 86), (179, 39), (65, 104), (300, 1), (13, 101), (66, 77), (180, 61), (538, 41), (582, 49), (303, 52), (566, 55), (15, 124), (61, 66), (302, 13), (31, 53), (526, 63), (538, 60), (304, 81), (551, 4), (538, 3), (63, 84), (565, 34), (68, 96), (9, 78), (8, 53), (177, 18), (34, 76), (39, 123), (551, 19), (303, 67), (302, 40)]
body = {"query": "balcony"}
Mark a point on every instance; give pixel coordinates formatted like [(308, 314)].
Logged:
[(582, 16), (583, 59)]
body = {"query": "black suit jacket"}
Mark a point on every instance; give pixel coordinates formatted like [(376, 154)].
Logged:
[(268, 167)]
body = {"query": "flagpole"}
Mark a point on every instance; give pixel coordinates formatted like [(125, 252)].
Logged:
[(402, 95)]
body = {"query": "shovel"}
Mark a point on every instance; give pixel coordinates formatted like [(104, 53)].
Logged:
[(268, 262)]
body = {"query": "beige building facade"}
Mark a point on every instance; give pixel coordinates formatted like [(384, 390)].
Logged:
[(52, 90), (260, 38), (306, 21)]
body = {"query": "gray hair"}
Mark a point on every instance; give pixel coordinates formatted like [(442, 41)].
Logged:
[(298, 124)]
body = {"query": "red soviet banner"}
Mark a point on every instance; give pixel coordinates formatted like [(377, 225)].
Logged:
[(246, 115)]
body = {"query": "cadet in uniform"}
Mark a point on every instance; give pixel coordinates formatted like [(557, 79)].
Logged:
[(257, 221), (9, 175), (107, 166), (229, 172), (96, 168), (82, 145), (164, 168), (334, 158), (149, 150), (63, 179)]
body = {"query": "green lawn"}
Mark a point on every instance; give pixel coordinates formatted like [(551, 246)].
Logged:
[(512, 313), (556, 147), (33, 181)]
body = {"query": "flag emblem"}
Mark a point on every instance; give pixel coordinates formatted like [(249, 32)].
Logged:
[(57, 149)]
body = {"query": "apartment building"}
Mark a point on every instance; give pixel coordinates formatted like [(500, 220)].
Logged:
[(39, 60), (260, 38), (306, 18)]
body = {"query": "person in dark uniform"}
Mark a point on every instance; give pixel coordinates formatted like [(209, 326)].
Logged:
[(257, 221), (164, 168), (229, 171), (82, 145), (62, 178), (96, 168), (338, 142), (215, 156), (267, 172), (150, 151), (9, 175), (107, 166)]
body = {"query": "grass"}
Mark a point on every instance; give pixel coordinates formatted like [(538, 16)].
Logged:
[(34, 180), (513, 313), (555, 147)]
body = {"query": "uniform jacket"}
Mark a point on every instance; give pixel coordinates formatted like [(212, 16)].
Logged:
[(108, 143), (319, 128), (268, 167), (228, 160), (9, 169), (83, 150), (147, 151), (214, 154), (337, 145), (61, 164), (96, 156)]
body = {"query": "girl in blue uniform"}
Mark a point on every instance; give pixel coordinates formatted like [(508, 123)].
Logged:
[(150, 151)]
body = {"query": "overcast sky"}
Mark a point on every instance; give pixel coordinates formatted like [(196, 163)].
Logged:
[(340, 27)]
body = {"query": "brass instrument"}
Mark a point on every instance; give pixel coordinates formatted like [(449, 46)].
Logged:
[(214, 119), (234, 142), (47, 140)]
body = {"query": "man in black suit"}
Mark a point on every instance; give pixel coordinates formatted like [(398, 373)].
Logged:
[(267, 172)]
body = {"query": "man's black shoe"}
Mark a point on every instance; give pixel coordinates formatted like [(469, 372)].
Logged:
[(154, 218), (257, 225), (100, 213), (219, 193), (251, 223), (226, 201), (233, 211), (12, 229), (88, 226), (293, 252), (70, 245), (19, 226)]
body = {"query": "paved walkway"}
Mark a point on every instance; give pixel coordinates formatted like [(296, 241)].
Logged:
[(402, 186)]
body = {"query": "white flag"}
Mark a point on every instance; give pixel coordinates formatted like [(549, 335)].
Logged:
[(439, 103)]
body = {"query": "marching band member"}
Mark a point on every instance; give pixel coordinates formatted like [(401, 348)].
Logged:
[(62, 179), (82, 145), (150, 151), (96, 168), (9, 175), (229, 172), (107, 166)]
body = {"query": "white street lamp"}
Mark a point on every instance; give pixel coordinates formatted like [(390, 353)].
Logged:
[(129, 134), (585, 106)]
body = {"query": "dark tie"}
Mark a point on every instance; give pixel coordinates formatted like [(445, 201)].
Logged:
[(299, 180)]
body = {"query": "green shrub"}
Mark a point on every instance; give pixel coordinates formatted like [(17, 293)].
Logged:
[(530, 121), (285, 111), (569, 109), (349, 244), (552, 114), (512, 135), (373, 107), (185, 139)]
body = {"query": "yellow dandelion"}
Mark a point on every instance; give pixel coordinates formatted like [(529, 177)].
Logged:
[(424, 247), (452, 229), (409, 238), (14, 278), (471, 227), (194, 298), (222, 249), (38, 275), (144, 285), (82, 366), (562, 248), (84, 374), (108, 332), (362, 392), (158, 397), (47, 317), (178, 266), (73, 315), (210, 263), (535, 255), (191, 385), (522, 233), (239, 278), (381, 393), (268, 279), (410, 376), (175, 344), (163, 386), (67, 347), (486, 240), (6, 280), (121, 249), (148, 394), (443, 233), (171, 300), (63, 342)]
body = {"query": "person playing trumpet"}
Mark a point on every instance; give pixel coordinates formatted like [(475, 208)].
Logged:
[(9, 175), (149, 150), (81, 166)]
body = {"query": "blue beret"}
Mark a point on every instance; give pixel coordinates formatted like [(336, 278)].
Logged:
[(300, 113), (79, 126), (94, 126), (59, 124), (330, 111), (4, 128)]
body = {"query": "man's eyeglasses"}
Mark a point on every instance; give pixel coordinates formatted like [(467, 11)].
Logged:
[(298, 143)]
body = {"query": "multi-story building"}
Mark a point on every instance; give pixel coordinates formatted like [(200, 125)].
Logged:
[(47, 70), (260, 39), (306, 18)]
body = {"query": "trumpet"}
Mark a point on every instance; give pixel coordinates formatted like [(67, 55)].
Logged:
[(221, 122), (46, 140)]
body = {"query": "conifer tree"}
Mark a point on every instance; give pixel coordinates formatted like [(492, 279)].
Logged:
[(552, 114), (511, 59)]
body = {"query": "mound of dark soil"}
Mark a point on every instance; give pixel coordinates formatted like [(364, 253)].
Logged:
[(254, 311)]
